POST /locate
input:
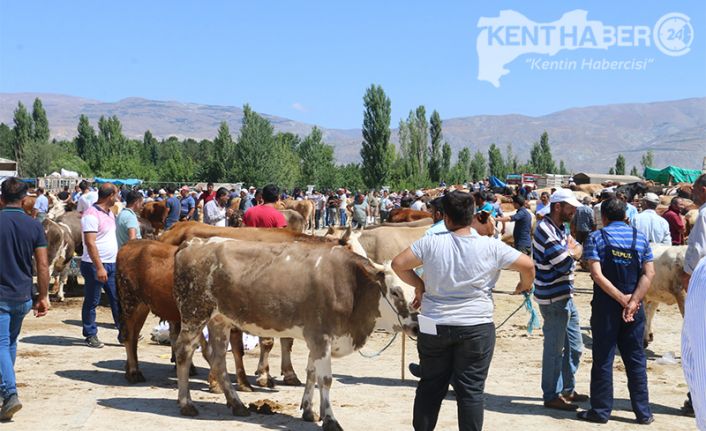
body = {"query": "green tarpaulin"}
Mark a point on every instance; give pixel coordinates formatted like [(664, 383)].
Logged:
[(678, 175)]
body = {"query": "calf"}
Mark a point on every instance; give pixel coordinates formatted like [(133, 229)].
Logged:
[(155, 213), (60, 251), (666, 286), (402, 215), (334, 304)]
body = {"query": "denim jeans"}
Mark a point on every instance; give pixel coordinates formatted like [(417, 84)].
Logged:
[(563, 346), (464, 352), (92, 296), (11, 315), (331, 216), (342, 216), (317, 218)]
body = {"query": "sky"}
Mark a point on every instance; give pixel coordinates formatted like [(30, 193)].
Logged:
[(312, 61)]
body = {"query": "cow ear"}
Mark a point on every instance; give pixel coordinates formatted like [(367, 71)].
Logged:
[(346, 236)]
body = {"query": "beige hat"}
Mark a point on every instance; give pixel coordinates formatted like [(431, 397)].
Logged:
[(651, 197)]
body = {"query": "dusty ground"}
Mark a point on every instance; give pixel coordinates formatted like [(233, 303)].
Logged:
[(66, 386)]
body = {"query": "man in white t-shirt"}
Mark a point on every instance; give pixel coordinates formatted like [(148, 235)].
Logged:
[(215, 212), (418, 204), (456, 295), (100, 249), (86, 199)]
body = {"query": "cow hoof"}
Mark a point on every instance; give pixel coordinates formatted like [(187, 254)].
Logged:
[(134, 377), (331, 425), (188, 410), (265, 381), (292, 380), (308, 416), (192, 371), (245, 387), (240, 410)]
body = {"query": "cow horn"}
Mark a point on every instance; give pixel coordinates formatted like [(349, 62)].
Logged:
[(346, 236)]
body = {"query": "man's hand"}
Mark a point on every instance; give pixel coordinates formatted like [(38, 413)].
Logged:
[(418, 293), (102, 274), (41, 306), (520, 288), (571, 242), (624, 300), (630, 310)]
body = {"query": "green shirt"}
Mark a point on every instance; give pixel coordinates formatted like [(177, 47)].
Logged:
[(126, 220)]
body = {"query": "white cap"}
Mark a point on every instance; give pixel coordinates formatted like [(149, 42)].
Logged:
[(651, 197), (244, 191), (565, 195), (162, 192), (544, 211), (419, 193)]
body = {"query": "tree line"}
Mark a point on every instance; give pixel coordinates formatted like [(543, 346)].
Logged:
[(258, 155)]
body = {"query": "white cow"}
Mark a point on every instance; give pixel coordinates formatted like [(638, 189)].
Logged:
[(666, 286)]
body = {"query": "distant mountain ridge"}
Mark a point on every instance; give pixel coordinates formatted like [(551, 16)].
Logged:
[(587, 138)]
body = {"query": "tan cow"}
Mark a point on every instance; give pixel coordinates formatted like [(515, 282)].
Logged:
[(228, 283), (666, 285), (304, 207), (60, 251), (404, 215), (154, 213), (295, 221)]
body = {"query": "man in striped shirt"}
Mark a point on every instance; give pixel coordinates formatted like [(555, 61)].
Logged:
[(553, 251), (693, 342)]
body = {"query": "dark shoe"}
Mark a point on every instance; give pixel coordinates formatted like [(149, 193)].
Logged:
[(645, 421), (590, 416), (575, 397), (688, 409), (415, 370), (94, 342), (10, 406), (559, 403)]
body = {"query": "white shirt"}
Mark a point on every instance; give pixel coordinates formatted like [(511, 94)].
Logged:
[(103, 225), (697, 242), (653, 226), (214, 214), (86, 200), (693, 342), (459, 275), (418, 205)]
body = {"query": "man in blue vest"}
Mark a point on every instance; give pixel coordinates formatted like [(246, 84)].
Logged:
[(621, 266)]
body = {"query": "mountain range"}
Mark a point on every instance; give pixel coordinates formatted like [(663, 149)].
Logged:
[(588, 139)]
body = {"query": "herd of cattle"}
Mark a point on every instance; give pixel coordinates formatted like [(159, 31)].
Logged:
[(330, 291)]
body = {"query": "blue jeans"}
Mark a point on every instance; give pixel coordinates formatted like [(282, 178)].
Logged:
[(92, 296), (563, 346), (342, 216), (11, 315)]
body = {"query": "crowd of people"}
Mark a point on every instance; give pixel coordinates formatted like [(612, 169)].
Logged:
[(453, 288)]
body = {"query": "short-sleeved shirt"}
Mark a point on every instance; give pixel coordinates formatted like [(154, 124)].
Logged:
[(41, 204), (522, 229), (127, 220), (264, 216), (174, 210), (630, 213), (208, 197), (438, 227), (697, 242), (63, 195), (489, 208), (187, 204), (583, 219), (653, 226), (459, 275), (676, 226), (102, 223), (359, 211), (344, 201), (20, 235), (86, 200), (619, 235)]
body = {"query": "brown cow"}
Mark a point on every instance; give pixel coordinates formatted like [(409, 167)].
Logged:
[(295, 221), (226, 283), (154, 213), (400, 215), (304, 207), (60, 251)]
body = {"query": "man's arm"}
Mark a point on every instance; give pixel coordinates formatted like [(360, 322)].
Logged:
[(403, 264), (191, 211), (131, 233), (606, 285), (90, 239), (42, 261), (525, 267), (643, 285)]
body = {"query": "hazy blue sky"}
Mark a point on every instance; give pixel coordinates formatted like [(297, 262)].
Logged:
[(312, 60)]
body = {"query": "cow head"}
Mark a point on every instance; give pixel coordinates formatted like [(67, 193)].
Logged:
[(394, 305)]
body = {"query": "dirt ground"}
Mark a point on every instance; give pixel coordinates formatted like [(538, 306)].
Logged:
[(67, 386)]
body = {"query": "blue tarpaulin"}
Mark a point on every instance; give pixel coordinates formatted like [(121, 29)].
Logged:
[(119, 182), (496, 183)]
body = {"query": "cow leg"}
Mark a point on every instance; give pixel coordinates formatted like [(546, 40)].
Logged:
[(174, 329), (236, 343), (218, 335), (650, 309), (264, 378), (61, 281), (185, 347), (132, 323), (290, 377), (324, 379), (681, 299), (308, 397)]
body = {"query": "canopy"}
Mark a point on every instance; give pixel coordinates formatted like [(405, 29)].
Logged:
[(118, 182), (678, 175), (496, 183)]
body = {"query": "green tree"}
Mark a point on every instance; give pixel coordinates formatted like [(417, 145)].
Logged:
[(496, 164), (376, 137), (37, 158), (512, 164), (462, 169), (549, 165), (41, 123), (23, 135), (445, 160), (562, 168), (435, 156), (418, 139), (223, 155), (6, 140), (634, 172), (149, 144), (620, 165), (317, 161), (647, 160), (86, 139), (611, 171), (351, 176), (478, 166), (254, 148), (284, 162)]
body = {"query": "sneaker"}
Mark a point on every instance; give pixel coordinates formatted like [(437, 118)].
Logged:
[(575, 397), (645, 421), (94, 342), (10, 406)]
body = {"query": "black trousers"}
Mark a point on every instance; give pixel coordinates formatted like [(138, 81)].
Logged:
[(464, 352)]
